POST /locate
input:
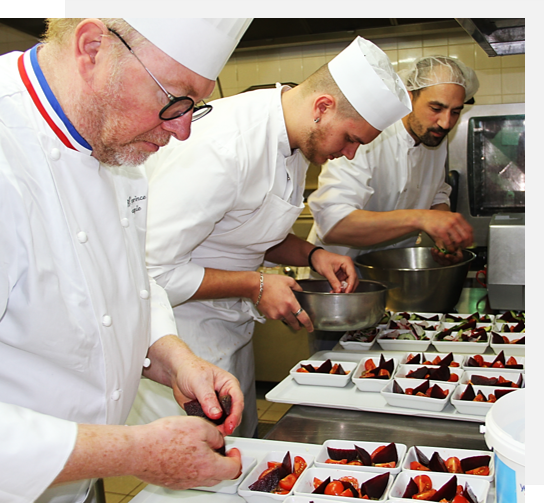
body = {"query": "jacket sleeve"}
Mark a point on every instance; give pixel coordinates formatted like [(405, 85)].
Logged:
[(35, 448)]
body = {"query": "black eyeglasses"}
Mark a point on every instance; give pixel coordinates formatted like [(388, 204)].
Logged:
[(179, 105)]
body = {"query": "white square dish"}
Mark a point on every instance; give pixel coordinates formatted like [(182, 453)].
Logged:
[(262, 497), (431, 356), (370, 447), (488, 360), (397, 344), (492, 373), (231, 486), (508, 348), (455, 318), (369, 383), (360, 340), (416, 402), (412, 316), (472, 407), (305, 484), (403, 371), (322, 379), (458, 346), (480, 487)]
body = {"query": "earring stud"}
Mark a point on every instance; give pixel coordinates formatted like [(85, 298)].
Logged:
[(316, 120)]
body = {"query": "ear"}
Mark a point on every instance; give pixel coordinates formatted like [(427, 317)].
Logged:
[(323, 104), (88, 44)]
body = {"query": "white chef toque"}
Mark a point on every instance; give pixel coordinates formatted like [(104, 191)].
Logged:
[(366, 77), (202, 45)]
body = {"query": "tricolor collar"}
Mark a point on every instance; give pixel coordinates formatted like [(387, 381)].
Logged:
[(47, 104)]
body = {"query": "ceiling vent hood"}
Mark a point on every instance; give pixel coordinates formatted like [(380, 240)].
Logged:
[(497, 37)]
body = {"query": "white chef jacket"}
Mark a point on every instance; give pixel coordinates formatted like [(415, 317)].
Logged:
[(74, 292), (391, 173), (221, 199)]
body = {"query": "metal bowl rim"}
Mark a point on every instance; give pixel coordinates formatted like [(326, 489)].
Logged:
[(385, 288), (439, 268)]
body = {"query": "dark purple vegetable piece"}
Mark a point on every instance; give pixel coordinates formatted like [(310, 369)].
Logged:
[(320, 489), (308, 367), (480, 393), (364, 456), (499, 358), (415, 360), (519, 327), (438, 392), (411, 489), (348, 485), (468, 324), (340, 370), (520, 381), (474, 462), (515, 366), (471, 362), (375, 487), (496, 338), (193, 408), (423, 387), (447, 360), (388, 365), (325, 367), (483, 381), (437, 464), (469, 495), (286, 463), (499, 393), (270, 481), (442, 373), (424, 460), (447, 491), (393, 325), (520, 341), (419, 373), (386, 455), (338, 454), (397, 388), (468, 394)]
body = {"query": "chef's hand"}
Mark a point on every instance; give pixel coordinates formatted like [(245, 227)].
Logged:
[(338, 269), (445, 258), (179, 453), (190, 377), (278, 302), (450, 231)]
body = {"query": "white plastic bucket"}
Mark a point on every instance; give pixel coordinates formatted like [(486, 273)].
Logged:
[(505, 435)]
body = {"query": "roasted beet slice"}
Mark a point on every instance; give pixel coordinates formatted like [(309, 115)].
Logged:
[(520, 341), (325, 367), (320, 489), (520, 381), (442, 373), (286, 464), (411, 489), (364, 456), (468, 394), (397, 388), (419, 373), (437, 464), (338, 454), (386, 455), (518, 328), (340, 370), (447, 491), (422, 388), (438, 392), (499, 393), (375, 487), (447, 360), (499, 358), (349, 486), (308, 367), (474, 462), (269, 482), (471, 362), (469, 495), (424, 460), (483, 381), (388, 365), (193, 408), (415, 360), (496, 338)]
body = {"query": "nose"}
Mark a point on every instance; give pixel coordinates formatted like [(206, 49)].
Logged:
[(179, 128), (349, 150), (447, 120)]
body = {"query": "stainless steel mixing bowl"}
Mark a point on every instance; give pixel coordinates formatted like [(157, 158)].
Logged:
[(342, 311), (423, 284)]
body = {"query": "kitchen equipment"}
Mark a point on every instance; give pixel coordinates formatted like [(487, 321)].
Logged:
[(506, 262), (362, 308), (424, 285)]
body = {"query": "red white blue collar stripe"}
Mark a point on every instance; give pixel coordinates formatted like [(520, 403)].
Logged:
[(47, 104)]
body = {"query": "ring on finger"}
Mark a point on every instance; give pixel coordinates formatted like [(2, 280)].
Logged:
[(298, 312)]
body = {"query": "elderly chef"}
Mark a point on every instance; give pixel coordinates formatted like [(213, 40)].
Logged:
[(395, 187), (79, 317), (226, 199)]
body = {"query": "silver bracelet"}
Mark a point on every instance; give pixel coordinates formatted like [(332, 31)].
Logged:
[(261, 288)]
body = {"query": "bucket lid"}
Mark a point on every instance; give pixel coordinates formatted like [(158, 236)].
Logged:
[(505, 426)]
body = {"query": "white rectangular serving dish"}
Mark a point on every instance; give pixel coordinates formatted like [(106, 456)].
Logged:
[(319, 379), (416, 402), (480, 487), (262, 497), (231, 486), (489, 359), (305, 484), (370, 447), (471, 407), (404, 370), (308, 499), (487, 372), (358, 345), (432, 355), (466, 316), (369, 383), (403, 344), (460, 346), (446, 453), (412, 316), (509, 349)]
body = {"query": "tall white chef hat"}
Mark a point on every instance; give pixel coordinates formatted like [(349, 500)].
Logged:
[(366, 77), (202, 45)]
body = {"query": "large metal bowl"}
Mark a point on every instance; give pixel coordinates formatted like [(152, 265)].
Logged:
[(423, 284), (342, 311)]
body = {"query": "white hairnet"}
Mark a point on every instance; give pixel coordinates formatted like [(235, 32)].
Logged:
[(433, 70)]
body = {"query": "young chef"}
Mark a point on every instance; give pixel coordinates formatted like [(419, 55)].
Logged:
[(395, 187), (79, 112), (226, 200)]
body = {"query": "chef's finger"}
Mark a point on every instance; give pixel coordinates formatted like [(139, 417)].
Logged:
[(235, 454), (299, 321)]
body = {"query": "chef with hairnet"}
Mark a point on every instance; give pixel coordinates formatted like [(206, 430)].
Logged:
[(395, 188)]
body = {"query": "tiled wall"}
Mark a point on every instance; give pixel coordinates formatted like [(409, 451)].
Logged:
[(502, 79)]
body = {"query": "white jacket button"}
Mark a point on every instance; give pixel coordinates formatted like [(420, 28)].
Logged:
[(147, 362), (55, 154), (144, 294), (106, 320), (82, 237), (124, 222), (116, 394)]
